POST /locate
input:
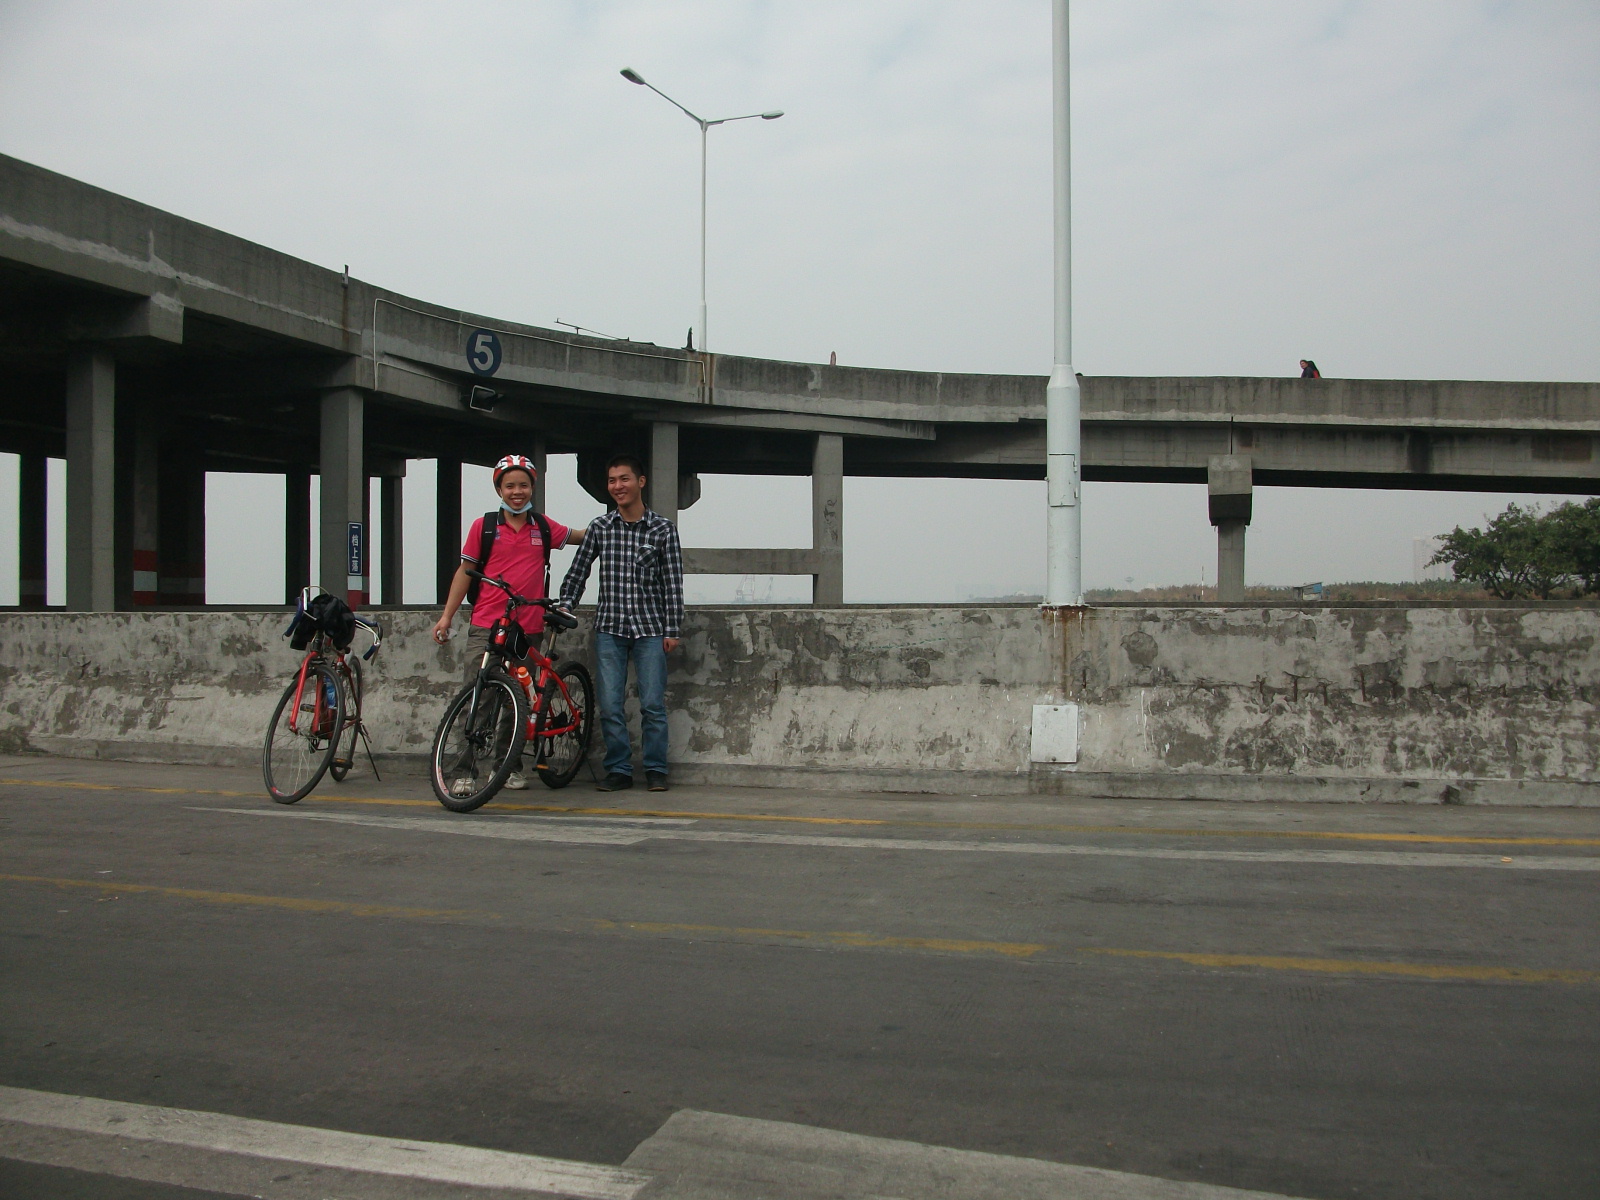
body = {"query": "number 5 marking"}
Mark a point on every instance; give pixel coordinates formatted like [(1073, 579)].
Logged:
[(483, 352)]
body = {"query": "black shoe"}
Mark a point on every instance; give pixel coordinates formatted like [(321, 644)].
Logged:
[(615, 782), (657, 780)]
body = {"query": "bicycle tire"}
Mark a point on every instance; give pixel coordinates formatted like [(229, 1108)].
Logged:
[(481, 747), (561, 756), (293, 760), (344, 756)]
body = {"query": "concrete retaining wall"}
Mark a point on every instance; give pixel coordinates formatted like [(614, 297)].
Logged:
[(1468, 705)]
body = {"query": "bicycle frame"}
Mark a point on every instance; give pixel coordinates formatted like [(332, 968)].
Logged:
[(319, 652), (542, 688), (319, 712), (539, 688)]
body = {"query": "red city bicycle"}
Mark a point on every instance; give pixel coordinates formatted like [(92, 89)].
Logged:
[(318, 720), (520, 700)]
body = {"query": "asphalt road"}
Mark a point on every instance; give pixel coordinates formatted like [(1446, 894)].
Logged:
[(1316, 1001)]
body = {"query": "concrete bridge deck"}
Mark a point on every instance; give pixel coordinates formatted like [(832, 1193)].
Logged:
[(147, 349)]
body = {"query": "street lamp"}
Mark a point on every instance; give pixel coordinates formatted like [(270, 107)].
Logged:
[(633, 76)]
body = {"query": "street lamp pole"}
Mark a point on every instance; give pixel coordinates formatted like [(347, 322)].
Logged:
[(633, 76), (1063, 437)]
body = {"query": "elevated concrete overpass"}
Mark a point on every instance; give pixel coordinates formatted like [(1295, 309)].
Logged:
[(146, 349)]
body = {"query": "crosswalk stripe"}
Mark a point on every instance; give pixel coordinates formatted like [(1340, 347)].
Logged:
[(438, 1162)]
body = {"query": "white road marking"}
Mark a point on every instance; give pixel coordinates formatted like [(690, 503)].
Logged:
[(526, 830), (598, 819), (435, 1161), (715, 1155), (495, 827)]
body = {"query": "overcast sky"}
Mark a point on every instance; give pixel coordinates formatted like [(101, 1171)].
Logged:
[(1396, 188)]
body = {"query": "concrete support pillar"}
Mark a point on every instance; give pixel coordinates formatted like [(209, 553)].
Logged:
[(392, 575), (541, 462), (447, 523), (343, 539), (827, 518), (91, 478), (33, 511), (145, 502), (181, 536), (296, 531), (1229, 482), (662, 472)]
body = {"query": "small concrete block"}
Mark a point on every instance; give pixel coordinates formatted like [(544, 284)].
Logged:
[(1055, 733)]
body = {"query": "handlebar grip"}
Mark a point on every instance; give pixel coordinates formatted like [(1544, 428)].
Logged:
[(560, 619), (474, 574)]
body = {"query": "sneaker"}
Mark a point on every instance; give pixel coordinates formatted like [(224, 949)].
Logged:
[(463, 787), (657, 780), (515, 781), (615, 782)]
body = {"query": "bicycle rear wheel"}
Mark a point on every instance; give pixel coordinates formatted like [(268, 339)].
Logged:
[(561, 754), (475, 747), (294, 758), (345, 750)]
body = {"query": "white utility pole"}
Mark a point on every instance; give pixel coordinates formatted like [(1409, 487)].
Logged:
[(1063, 437), (633, 76)]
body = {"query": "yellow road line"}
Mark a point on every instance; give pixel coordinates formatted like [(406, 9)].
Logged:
[(1346, 966), (836, 938), (293, 903), (853, 939), (1009, 827)]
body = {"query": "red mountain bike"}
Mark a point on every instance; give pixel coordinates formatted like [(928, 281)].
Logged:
[(520, 701)]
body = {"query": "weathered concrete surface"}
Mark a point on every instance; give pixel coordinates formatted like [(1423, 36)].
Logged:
[(1432, 705)]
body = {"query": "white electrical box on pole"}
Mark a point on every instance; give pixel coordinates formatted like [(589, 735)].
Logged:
[(1063, 439)]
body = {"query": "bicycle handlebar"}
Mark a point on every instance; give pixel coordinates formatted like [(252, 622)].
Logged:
[(376, 630), (557, 615)]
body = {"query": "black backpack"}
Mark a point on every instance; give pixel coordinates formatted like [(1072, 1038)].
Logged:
[(328, 614), (491, 525)]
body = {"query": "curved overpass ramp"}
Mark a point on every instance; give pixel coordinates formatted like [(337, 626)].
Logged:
[(147, 349)]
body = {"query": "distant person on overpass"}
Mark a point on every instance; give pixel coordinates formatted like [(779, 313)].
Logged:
[(638, 619), (1308, 369)]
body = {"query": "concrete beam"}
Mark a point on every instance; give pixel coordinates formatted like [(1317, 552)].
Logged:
[(33, 526), (720, 561), (392, 575), (923, 431), (663, 469), (91, 478), (447, 524), (296, 531), (145, 497), (343, 537), (827, 519), (181, 542)]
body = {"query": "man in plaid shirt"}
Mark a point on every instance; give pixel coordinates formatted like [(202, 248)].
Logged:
[(639, 617)]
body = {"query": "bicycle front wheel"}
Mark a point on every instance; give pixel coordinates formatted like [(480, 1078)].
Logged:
[(562, 753), (477, 745), (345, 752), (301, 738)]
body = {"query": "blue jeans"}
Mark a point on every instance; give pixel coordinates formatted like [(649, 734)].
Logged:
[(649, 657)]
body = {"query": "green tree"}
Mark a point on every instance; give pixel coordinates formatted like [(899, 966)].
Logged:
[(1576, 534), (1521, 553)]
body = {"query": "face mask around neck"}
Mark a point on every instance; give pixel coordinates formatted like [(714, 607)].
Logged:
[(517, 512)]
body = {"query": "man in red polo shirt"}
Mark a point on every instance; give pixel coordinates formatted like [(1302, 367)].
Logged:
[(518, 556)]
